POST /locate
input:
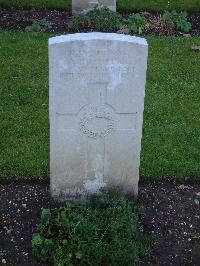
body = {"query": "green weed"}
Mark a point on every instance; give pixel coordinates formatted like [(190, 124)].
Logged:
[(137, 23), (104, 231), (39, 25), (177, 20)]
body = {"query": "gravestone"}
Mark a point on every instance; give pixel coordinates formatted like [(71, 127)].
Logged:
[(83, 6), (97, 89)]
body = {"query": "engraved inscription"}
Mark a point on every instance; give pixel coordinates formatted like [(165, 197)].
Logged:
[(94, 2), (96, 121), (80, 70)]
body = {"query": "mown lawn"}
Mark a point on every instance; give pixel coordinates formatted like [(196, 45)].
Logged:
[(122, 5), (171, 143)]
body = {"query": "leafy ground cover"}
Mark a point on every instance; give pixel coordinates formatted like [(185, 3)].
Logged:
[(171, 219), (170, 146), (103, 231), (122, 5)]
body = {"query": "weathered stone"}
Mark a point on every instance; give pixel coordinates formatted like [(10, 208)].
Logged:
[(97, 89), (83, 6)]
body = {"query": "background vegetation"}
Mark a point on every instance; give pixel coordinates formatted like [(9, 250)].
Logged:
[(122, 5), (170, 145)]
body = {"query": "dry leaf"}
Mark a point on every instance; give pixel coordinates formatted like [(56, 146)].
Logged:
[(185, 34), (196, 48), (124, 31)]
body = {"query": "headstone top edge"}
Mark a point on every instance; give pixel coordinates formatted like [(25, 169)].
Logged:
[(97, 36)]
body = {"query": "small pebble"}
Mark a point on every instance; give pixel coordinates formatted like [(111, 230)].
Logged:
[(3, 261), (183, 187)]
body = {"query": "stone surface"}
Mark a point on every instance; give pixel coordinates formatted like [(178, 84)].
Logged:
[(97, 89), (83, 6)]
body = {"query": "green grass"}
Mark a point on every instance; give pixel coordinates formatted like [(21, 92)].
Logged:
[(122, 5), (158, 5), (171, 141), (49, 4)]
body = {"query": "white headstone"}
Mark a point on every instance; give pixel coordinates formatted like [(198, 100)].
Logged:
[(97, 89), (83, 6)]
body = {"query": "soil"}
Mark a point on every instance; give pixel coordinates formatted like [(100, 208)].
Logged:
[(172, 215), (19, 19)]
